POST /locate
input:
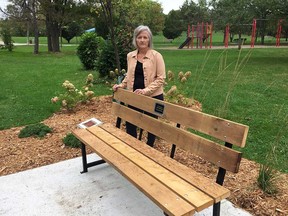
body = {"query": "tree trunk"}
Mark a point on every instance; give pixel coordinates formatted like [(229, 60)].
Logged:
[(36, 35), (108, 14), (53, 33), (36, 30)]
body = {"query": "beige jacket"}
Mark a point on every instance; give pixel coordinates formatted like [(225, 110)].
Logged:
[(153, 69)]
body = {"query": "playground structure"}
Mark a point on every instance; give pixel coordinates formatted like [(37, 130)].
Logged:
[(202, 33), (198, 34), (242, 40)]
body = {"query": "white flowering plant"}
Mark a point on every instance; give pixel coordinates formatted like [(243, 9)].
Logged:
[(72, 96), (175, 94)]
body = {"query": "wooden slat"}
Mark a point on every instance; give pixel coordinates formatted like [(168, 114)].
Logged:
[(214, 190), (219, 128), (222, 156), (185, 190), (167, 200)]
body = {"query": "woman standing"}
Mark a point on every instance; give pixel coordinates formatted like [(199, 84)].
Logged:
[(145, 73)]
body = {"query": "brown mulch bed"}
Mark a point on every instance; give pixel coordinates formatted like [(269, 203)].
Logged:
[(22, 154)]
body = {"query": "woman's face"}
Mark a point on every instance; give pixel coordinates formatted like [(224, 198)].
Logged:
[(142, 40)]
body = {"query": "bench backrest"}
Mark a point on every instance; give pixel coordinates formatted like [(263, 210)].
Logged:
[(208, 147)]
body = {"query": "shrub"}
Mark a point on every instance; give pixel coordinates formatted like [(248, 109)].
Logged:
[(71, 141), (7, 38), (72, 96), (107, 61), (36, 130), (89, 49)]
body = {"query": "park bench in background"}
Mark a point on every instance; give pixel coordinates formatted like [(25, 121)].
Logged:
[(243, 40), (174, 187)]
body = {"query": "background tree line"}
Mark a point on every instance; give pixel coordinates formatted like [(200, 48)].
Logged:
[(239, 14), (115, 20)]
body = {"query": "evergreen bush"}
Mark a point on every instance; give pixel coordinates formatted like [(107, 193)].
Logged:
[(36, 130), (71, 141), (89, 50)]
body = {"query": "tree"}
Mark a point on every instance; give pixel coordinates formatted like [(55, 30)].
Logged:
[(192, 13), (71, 30), (5, 34), (232, 12), (126, 14), (173, 25), (56, 12), (26, 10), (263, 10)]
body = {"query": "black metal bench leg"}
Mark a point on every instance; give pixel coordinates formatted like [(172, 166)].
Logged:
[(84, 159), (216, 209)]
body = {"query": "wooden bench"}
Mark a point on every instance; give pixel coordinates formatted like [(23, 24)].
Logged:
[(175, 188)]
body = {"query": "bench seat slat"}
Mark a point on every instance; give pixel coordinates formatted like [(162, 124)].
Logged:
[(185, 190), (214, 190), (220, 155), (167, 200), (222, 129)]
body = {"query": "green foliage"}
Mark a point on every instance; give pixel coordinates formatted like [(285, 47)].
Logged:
[(7, 38), (106, 61), (72, 96), (71, 141), (267, 179), (176, 94), (36, 130), (71, 30), (173, 25), (89, 50)]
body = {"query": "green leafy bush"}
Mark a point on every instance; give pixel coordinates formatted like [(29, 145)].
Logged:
[(7, 38), (71, 141), (36, 130), (107, 61), (89, 49)]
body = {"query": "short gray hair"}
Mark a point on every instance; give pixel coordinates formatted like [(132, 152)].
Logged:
[(140, 29)]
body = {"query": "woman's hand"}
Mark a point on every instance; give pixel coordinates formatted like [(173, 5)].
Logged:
[(115, 87), (139, 91)]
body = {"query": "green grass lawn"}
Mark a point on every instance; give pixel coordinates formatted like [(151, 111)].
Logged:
[(248, 86), (29, 81)]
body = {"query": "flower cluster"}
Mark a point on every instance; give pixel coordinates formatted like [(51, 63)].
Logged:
[(90, 80), (72, 96), (69, 86), (174, 94)]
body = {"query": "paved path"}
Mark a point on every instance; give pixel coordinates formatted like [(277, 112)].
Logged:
[(59, 190)]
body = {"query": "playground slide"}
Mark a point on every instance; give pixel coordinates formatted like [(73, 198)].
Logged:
[(188, 39)]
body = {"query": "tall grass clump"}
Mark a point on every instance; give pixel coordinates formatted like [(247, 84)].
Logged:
[(268, 175)]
